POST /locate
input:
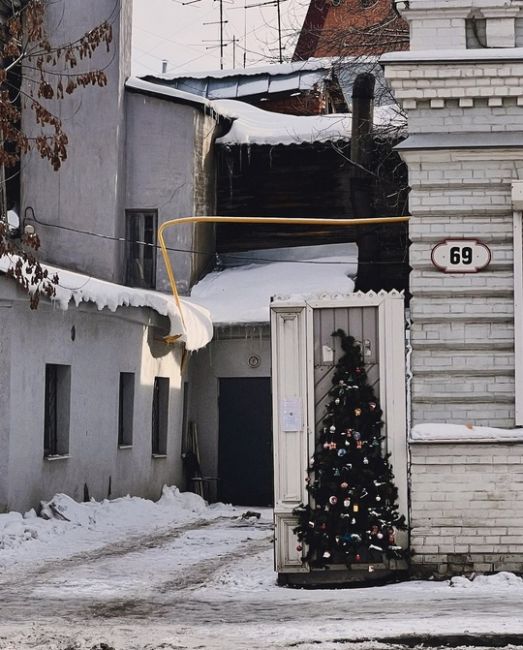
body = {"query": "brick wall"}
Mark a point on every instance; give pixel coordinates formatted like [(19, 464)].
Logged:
[(466, 508)]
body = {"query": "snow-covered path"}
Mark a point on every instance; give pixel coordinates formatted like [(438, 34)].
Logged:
[(206, 580)]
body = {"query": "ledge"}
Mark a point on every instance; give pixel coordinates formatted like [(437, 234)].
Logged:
[(159, 456), (125, 446), (51, 459)]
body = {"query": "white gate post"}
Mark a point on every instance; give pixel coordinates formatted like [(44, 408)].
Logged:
[(290, 427)]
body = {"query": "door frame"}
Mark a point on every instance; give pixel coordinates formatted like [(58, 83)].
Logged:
[(292, 339)]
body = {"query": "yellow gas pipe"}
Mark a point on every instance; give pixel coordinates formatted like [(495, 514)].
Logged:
[(261, 220)]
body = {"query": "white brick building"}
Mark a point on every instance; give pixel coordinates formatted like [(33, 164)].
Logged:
[(464, 99)]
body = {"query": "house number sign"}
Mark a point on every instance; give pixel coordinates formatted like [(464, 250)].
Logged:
[(461, 256)]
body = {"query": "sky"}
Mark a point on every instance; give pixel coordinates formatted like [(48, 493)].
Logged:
[(185, 33)]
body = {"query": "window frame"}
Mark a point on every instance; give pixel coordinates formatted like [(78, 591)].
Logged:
[(126, 409), (160, 416), (57, 410), (130, 260)]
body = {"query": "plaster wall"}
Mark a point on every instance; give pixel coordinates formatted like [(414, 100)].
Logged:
[(86, 193), (223, 357), (104, 345), (6, 325), (170, 169)]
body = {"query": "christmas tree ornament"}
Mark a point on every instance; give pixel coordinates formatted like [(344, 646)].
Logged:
[(365, 461), (357, 412), (357, 435), (342, 452), (344, 485), (332, 429), (357, 557), (372, 406), (337, 401), (359, 444), (326, 555), (299, 547), (333, 500), (346, 503), (355, 508)]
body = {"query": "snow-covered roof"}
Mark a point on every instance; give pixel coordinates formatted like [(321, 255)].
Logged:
[(243, 294), (77, 287), (248, 82), (253, 125), (271, 69)]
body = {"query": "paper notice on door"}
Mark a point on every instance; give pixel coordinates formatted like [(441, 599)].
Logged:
[(292, 414)]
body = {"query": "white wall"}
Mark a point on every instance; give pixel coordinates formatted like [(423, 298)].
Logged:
[(169, 168), (86, 194), (105, 344)]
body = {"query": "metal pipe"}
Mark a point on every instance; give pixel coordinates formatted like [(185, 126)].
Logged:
[(261, 220)]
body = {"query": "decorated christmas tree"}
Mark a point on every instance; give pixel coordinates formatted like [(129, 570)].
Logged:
[(353, 514)]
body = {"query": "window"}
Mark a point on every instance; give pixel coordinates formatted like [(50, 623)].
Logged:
[(57, 409), (160, 415), (140, 253), (126, 409)]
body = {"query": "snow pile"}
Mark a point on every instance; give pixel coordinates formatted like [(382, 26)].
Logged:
[(181, 506), (439, 432), (78, 287), (16, 529), (501, 580), (88, 525), (242, 294)]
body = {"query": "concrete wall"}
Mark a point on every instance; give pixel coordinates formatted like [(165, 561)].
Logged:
[(170, 169), (87, 192), (466, 508), (104, 345), (226, 356)]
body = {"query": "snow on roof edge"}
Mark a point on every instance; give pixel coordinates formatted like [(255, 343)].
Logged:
[(453, 55), (271, 69), (196, 329), (135, 83)]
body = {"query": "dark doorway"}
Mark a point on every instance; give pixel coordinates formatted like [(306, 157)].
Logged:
[(245, 442)]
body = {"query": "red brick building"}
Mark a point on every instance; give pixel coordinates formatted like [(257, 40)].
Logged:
[(341, 28)]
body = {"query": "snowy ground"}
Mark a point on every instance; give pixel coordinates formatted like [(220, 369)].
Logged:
[(133, 574)]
